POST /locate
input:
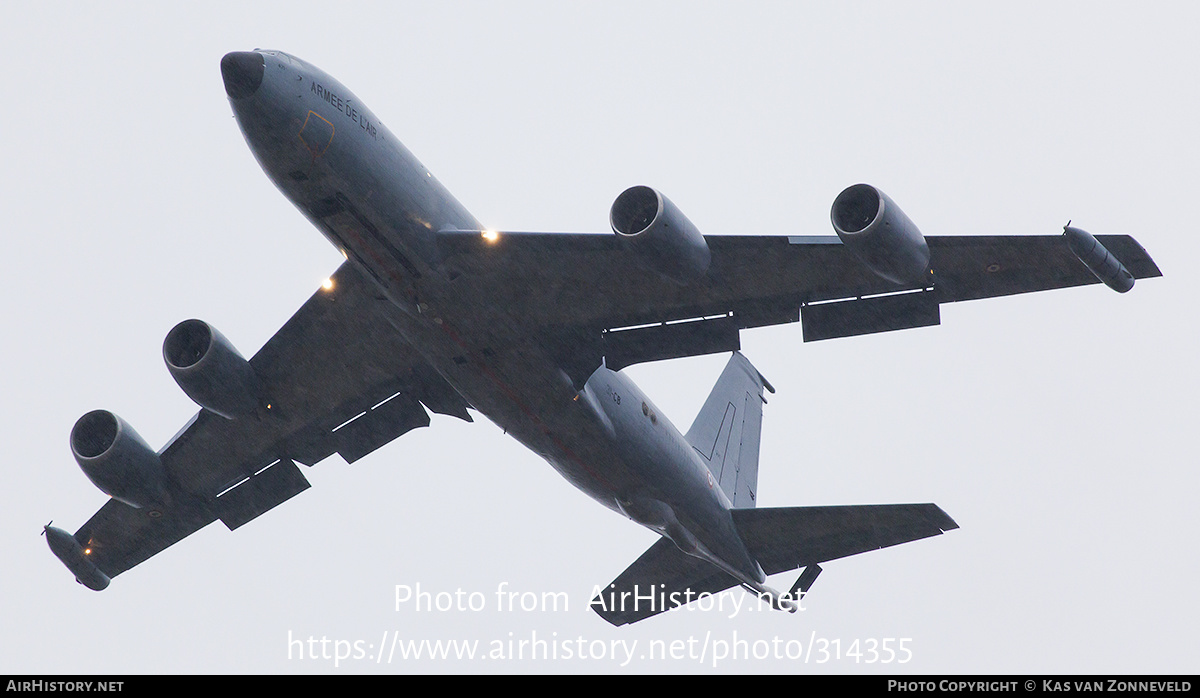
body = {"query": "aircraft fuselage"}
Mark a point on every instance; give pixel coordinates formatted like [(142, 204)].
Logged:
[(329, 154)]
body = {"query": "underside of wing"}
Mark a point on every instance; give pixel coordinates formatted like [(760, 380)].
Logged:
[(986, 266), (337, 378), (595, 295)]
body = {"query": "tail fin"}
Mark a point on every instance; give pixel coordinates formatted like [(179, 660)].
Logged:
[(726, 433)]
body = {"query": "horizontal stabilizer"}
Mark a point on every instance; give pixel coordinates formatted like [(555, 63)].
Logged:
[(787, 538), (661, 579), (781, 539)]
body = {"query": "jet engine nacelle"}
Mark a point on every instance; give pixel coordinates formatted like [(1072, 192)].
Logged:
[(664, 238), (874, 228), (211, 371), (118, 461)]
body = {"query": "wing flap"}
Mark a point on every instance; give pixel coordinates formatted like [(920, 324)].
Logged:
[(869, 315), (256, 496), (669, 341), (384, 423)]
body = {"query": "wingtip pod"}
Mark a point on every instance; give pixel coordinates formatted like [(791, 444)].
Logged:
[(75, 557), (1098, 259)]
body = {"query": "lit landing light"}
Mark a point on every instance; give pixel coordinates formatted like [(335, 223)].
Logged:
[(327, 284), (491, 236)]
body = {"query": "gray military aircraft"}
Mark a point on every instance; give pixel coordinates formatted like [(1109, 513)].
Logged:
[(432, 311)]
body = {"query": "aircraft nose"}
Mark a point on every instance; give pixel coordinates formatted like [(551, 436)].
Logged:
[(242, 72)]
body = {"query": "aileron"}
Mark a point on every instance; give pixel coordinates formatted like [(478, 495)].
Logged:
[(973, 267)]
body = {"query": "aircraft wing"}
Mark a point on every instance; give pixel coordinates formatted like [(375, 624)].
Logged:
[(339, 379), (592, 293)]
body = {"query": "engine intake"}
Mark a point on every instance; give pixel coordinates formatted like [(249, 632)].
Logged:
[(210, 371), (660, 234), (118, 461), (876, 231)]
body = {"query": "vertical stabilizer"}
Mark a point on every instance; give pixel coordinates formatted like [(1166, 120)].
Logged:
[(727, 430)]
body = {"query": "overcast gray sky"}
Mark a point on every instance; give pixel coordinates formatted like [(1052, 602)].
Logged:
[(1056, 428)]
